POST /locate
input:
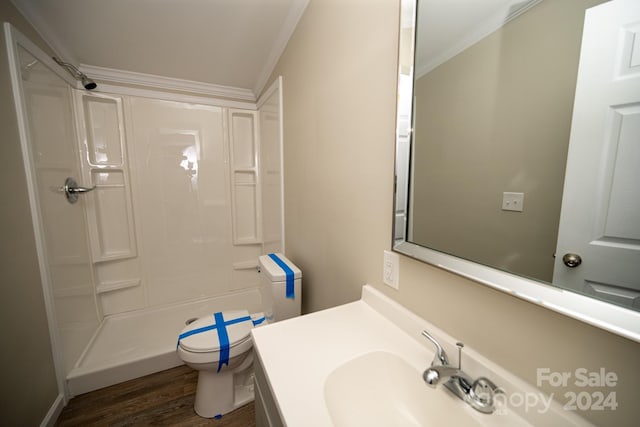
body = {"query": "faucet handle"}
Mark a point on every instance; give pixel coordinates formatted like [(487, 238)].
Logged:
[(441, 357), (482, 395)]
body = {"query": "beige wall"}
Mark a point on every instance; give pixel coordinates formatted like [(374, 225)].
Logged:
[(497, 118), (339, 73), (28, 387)]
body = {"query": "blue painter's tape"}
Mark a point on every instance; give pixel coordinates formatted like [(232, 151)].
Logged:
[(224, 340), (259, 321), (195, 331), (289, 274), (223, 337)]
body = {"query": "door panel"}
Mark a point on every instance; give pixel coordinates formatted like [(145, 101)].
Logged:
[(600, 218)]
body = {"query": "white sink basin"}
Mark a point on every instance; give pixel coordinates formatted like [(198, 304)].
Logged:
[(381, 389), (330, 378)]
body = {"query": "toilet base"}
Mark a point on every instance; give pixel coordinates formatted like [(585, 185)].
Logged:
[(217, 394)]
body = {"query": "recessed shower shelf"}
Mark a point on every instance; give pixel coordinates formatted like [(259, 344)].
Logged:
[(117, 285)]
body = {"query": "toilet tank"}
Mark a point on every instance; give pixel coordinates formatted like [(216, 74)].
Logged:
[(281, 287)]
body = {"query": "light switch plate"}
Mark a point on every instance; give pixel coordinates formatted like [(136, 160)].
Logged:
[(390, 269), (513, 202)]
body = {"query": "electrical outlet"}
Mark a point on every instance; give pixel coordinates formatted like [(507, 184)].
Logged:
[(390, 269)]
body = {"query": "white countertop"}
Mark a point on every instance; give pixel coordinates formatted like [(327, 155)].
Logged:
[(299, 354)]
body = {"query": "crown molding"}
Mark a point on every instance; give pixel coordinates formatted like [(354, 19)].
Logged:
[(152, 81), (288, 27), (482, 30), (118, 89)]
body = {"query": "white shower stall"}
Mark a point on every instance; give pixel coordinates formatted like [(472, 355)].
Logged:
[(182, 194)]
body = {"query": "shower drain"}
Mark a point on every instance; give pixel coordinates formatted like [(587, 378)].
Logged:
[(190, 321)]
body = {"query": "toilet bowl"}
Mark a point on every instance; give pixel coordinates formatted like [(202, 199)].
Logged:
[(219, 345)]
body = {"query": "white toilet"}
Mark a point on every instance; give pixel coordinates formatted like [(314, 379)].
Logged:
[(219, 346)]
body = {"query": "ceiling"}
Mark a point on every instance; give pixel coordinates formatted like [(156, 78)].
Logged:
[(234, 43)]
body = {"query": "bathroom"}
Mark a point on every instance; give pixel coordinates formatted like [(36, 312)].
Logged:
[(339, 74)]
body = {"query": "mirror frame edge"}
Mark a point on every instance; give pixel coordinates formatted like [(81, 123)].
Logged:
[(609, 317)]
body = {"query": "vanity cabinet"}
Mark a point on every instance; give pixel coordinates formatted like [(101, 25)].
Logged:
[(266, 410)]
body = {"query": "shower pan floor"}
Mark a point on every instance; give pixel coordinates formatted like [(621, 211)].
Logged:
[(139, 343)]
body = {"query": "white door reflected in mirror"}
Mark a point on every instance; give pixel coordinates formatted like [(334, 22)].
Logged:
[(599, 220)]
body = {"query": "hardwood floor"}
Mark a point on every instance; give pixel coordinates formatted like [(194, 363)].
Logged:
[(162, 399)]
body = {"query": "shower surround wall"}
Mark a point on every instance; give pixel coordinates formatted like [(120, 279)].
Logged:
[(166, 225), (49, 149), (176, 222), (187, 196)]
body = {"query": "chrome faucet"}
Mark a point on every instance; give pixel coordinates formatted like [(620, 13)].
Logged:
[(479, 393)]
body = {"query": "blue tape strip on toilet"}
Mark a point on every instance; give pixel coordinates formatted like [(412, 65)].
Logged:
[(288, 273), (221, 326), (258, 321)]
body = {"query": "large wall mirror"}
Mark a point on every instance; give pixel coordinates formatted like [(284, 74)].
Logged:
[(518, 150)]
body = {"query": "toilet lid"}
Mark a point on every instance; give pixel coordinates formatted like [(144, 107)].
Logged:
[(210, 333)]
